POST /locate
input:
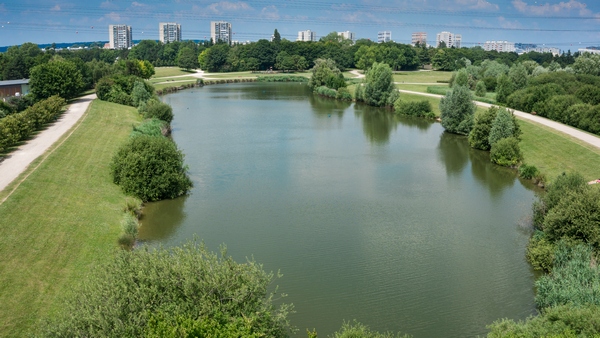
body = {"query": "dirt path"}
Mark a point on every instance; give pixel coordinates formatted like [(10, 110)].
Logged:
[(358, 74), (576, 133), (17, 161)]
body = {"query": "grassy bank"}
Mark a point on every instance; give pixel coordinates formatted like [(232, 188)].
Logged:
[(61, 220), (170, 71)]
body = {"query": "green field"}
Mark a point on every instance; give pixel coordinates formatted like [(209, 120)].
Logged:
[(172, 79), (421, 88), (422, 76), (170, 71), (64, 218)]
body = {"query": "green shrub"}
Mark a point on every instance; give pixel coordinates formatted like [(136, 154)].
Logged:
[(528, 172), (139, 94), (142, 293), (480, 89), (562, 185), (325, 91), (490, 83), (504, 89), (117, 95), (503, 126), (461, 79), (282, 78), (151, 127), (344, 94), (588, 94), (379, 88), (414, 108), (480, 134), (153, 108), (119, 89), (560, 321), (555, 108), (575, 216), (357, 330), (540, 252), (506, 152), (573, 280), (103, 87), (150, 168)]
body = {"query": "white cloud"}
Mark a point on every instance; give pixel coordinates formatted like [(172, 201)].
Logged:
[(108, 4), (55, 8), (226, 6), (137, 4), (477, 4), (112, 17), (270, 12), (548, 9), (508, 24)]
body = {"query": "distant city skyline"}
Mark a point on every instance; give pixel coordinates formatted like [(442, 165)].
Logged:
[(566, 24)]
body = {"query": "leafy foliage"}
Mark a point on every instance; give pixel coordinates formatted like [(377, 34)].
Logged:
[(457, 111), (528, 171), (357, 330), (172, 293), (153, 108), (480, 134), (414, 108), (480, 89), (151, 127), (379, 86), (139, 94), (150, 168), (58, 77), (540, 252), (573, 280), (559, 321), (563, 184), (119, 89), (506, 152), (502, 127), (324, 72), (504, 88)]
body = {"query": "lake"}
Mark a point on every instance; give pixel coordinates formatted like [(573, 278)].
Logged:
[(368, 216)]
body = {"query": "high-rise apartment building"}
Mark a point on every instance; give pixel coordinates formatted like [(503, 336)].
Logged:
[(169, 32), (348, 35), (499, 46), (450, 39), (220, 31), (307, 35), (119, 37), (384, 36), (420, 38)]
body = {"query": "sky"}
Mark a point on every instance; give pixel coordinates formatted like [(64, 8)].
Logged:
[(567, 24)]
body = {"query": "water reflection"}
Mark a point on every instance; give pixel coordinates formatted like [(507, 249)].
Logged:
[(326, 107), (165, 217), (377, 123), (490, 175), (453, 151), (415, 122)]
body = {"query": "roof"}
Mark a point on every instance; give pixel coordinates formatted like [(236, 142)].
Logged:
[(14, 82)]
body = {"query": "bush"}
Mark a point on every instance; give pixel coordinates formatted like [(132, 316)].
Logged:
[(155, 109), (555, 108), (573, 281), (480, 134), (344, 94), (150, 168), (140, 293), (506, 152), (540, 252), (282, 78), (358, 330), (461, 79), (325, 91), (560, 321), (379, 88), (528, 172), (151, 127), (457, 110), (139, 94), (490, 83), (588, 94), (575, 216), (504, 88), (562, 185), (414, 108), (480, 89), (119, 89)]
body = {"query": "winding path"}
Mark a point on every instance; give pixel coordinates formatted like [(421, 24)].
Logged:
[(576, 133), (19, 160)]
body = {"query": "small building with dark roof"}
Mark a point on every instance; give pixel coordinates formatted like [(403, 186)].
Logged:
[(14, 87)]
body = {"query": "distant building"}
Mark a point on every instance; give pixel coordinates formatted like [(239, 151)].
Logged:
[(553, 50), (589, 50), (307, 35), (348, 35), (169, 32), (499, 46), (450, 39), (220, 31), (119, 37), (384, 36), (420, 38), (14, 87)]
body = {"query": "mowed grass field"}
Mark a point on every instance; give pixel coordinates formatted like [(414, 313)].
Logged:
[(62, 220), (170, 71), (422, 76)]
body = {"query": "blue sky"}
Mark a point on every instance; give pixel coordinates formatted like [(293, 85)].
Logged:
[(566, 24)]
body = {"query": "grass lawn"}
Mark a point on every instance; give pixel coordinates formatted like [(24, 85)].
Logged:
[(422, 76), (63, 219), (170, 71), (420, 88), (553, 152), (172, 84)]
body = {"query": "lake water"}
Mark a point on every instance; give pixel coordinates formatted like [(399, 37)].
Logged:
[(368, 216)]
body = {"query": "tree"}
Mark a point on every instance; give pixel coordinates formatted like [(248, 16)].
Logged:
[(58, 77), (365, 57), (150, 168), (504, 88), (506, 152), (502, 127), (587, 63), (276, 36), (187, 59), (480, 89), (457, 110), (379, 86), (462, 78), (180, 292), (139, 94), (480, 134), (518, 76), (322, 72)]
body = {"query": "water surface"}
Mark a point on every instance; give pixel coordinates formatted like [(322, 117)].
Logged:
[(386, 220)]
